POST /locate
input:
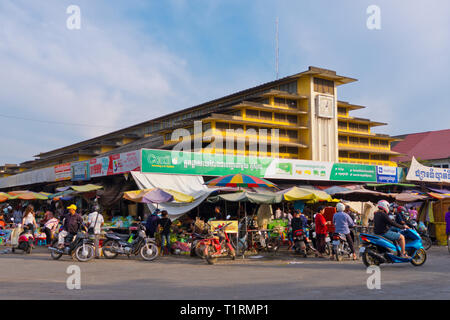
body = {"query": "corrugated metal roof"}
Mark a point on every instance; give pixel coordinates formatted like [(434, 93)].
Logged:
[(424, 145)]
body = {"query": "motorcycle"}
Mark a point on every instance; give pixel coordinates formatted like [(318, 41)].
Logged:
[(137, 243), (266, 240), (340, 247), (218, 245), (423, 232), (25, 241), (376, 249), (79, 246), (197, 248)]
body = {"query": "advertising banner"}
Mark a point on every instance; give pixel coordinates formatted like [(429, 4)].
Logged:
[(387, 174), (419, 172), (80, 171), (353, 172), (63, 172), (173, 162), (115, 164), (232, 228)]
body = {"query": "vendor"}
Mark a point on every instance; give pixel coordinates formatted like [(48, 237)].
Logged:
[(218, 213)]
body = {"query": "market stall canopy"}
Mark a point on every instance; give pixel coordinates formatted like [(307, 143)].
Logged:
[(189, 185), (240, 180), (335, 189), (63, 195), (247, 196), (410, 197), (28, 195), (81, 189), (306, 194), (4, 197), (150, 196), (364, 195), (438, 196)]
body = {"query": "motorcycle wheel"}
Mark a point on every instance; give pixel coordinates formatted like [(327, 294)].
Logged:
[(200, 250), (368, 260), (273, 245), (55, 255), (149, 251), (90, 253), (419, 258), (107, 249), (29, 249), (209, 255), (337, 253), (426, 241), (327, 249)]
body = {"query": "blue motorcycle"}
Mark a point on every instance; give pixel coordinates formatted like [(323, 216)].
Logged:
[(376, 249)]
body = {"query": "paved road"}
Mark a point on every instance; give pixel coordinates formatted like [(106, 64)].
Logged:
[(182, 277)]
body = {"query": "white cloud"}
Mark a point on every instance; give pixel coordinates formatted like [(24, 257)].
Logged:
[(105, 74)]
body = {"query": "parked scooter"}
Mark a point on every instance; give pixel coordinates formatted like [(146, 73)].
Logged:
[(340, 246), (25, 241), (376, 249), (218, 246), (139, 243), (79, 246)]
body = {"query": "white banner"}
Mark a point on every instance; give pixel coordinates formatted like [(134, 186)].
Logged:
[(419, 172)]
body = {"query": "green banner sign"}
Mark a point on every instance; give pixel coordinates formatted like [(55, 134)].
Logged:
[(175, 162), (353, 172), (164, 161)]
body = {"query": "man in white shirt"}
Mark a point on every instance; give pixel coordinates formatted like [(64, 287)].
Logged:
[(95, 223)]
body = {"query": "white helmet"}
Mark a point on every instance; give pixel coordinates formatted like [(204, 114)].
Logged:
[(383, 205), (340, 207)]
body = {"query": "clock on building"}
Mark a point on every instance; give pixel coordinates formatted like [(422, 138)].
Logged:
[(325, 106)]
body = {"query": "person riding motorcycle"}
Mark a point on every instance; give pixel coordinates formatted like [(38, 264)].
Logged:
[(401, 217), (383, 226), (71, 225), (343, 222)]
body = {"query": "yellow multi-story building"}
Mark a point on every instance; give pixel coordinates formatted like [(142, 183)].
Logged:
[(356, 142), (299, 116)]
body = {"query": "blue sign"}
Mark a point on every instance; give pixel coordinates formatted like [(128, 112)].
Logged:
[(387, 174)]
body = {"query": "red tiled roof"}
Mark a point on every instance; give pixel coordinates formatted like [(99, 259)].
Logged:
[(424, 145)]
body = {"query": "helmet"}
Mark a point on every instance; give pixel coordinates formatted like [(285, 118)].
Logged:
[(383, 205), (340, 207), (402, 209)]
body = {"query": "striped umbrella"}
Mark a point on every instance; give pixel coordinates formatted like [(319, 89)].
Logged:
[(240, 180), (5, 196)]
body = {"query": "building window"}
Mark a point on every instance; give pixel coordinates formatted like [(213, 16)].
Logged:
[(206, 126), (342, 111), (291, 103), (354, 155), (222, 126), (365, 156), (323, 86), (343, 139), (353, 140), (374, 142), (343, 154), (364, 141), (251, 113), (265, 115), (291, 119), (290, 87), (342, 125)]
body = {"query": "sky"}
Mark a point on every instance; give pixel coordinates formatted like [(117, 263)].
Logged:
[(134, 60)]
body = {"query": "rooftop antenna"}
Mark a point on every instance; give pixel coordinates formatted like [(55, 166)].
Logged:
[(277, 49)]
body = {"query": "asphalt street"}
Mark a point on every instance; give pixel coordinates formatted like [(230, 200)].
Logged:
[(283, 276)]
